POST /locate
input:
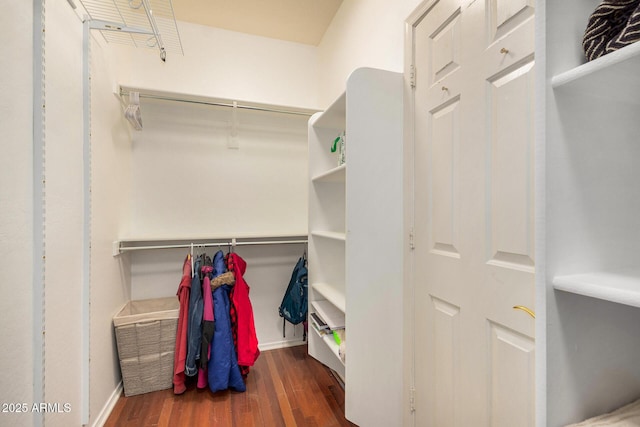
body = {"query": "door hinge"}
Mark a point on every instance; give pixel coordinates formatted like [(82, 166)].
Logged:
[(412, 76), (412, 244), (412, 399)]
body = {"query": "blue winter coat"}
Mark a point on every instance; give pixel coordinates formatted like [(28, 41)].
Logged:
[(208, 327), (223, 367)]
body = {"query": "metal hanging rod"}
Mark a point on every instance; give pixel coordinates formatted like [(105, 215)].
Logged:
[(221, 103), (233, 242)]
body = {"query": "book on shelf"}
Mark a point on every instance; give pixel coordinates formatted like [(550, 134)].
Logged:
[(329, 313), (318, 322)]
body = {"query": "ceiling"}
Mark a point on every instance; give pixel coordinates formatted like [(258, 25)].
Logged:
[(301, 21)]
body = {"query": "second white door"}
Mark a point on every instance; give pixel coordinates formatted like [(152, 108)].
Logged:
[(473, 223)]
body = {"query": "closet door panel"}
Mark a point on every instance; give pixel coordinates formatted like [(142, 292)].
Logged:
[(446, 349), (444, 182), (510, 175), (512, 382)]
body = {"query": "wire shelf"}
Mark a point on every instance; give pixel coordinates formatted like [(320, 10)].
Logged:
[(156, 17)]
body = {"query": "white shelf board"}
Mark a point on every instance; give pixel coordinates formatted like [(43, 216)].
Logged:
[(337, 174), (335, 116), (330, 342), (329, 313), (621, 287), (612, 76), (331, 294), (330, 235)]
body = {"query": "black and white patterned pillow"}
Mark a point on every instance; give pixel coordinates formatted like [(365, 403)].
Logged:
[(613, 25)]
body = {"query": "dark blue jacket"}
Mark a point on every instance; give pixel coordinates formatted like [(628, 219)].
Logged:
[(194, 330), (223, 367)]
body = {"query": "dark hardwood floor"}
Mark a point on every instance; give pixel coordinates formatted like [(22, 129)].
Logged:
[(286, 387)]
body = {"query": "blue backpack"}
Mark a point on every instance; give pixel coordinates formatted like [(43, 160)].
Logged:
[(294, 303)]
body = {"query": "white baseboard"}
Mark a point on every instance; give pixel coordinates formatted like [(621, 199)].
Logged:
[(102, 417), (280, 344)]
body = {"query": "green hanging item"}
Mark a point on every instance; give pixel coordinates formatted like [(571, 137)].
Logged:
[(339, 147), (334, 147)]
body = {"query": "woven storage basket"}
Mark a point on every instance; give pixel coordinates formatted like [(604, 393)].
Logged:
[(146, 338)]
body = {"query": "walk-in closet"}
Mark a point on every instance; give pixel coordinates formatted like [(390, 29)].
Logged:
[(416, 213)]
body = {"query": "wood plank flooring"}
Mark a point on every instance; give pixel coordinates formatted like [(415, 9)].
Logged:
[(286, 387)]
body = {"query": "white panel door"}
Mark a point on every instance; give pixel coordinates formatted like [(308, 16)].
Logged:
[(473, 213)]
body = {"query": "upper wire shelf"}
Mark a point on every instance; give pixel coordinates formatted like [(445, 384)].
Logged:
[(154, 17)]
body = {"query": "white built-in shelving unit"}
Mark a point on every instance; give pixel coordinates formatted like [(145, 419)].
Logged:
[(588, 270), (356, 241)]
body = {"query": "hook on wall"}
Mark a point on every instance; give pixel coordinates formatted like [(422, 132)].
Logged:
[(232, 140), (132, 113)]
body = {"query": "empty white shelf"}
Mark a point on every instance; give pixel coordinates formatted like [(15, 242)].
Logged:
[(330, 235), (331, 294), (612, 76), (333, 346), (621, 287), (330, 342), (336, 174), (335, 116)]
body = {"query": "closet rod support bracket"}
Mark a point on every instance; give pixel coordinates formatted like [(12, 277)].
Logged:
[(98, 24), (115, 248)]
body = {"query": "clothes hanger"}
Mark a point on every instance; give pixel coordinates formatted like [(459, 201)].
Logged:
[(192, 262), (132, 113)]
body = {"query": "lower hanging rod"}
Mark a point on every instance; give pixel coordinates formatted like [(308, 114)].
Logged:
[(231, 243)]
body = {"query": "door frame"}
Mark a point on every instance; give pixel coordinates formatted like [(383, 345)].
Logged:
[(409, 309)]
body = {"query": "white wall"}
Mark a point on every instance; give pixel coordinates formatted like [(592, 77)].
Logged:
[(187, 182), (63, 222), (64, 212), (110, 191), (362, 34), (16, 210), (227, 64)]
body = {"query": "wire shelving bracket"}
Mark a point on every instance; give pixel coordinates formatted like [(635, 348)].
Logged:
[(139, 23)]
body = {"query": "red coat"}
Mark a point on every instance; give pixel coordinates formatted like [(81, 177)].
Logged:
[(180, 354), (247, 342)]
